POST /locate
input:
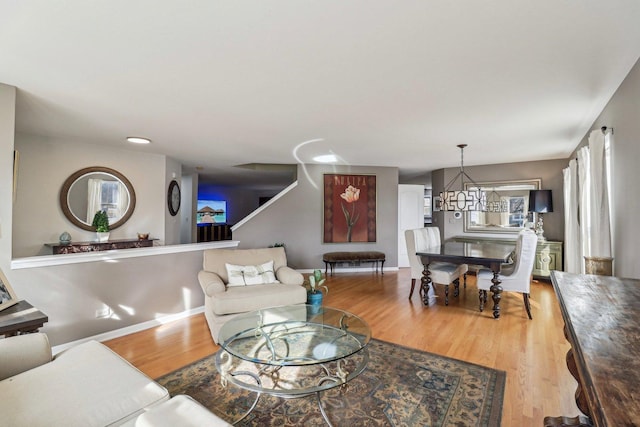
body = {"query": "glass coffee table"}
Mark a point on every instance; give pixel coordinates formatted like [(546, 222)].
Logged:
[(292, 351)]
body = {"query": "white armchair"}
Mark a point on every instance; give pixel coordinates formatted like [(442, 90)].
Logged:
[(223, 299), (516, 276), (440, 272)]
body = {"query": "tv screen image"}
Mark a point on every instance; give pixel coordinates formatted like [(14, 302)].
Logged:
[(211, 212)]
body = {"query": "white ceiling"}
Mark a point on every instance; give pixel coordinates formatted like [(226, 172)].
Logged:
[(383, 83)]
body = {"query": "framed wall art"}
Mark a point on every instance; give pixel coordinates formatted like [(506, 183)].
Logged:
[(349, 208), (7, 296)]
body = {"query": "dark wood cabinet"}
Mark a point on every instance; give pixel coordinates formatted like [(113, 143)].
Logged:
[(81, 247), (213, 232)]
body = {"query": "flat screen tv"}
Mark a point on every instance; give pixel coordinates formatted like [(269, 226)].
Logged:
[(211, 212)]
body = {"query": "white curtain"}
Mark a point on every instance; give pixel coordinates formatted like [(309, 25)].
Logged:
[(587, 205), (122, 201), (573, 248), (583, 203), (94, 198), (599, 192)]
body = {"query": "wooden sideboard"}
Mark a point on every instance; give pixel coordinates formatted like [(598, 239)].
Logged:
[(602, 324), (213, 232), (81, 247), (548, 253)]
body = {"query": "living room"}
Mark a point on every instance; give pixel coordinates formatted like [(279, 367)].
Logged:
[(139, 290)]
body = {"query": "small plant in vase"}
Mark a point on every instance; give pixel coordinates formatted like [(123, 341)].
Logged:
[(101, 224), (315, 285)]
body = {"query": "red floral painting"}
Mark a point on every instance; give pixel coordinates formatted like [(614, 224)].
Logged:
[(349, 208)]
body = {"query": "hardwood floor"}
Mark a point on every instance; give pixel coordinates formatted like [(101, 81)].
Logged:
[(532, 352)]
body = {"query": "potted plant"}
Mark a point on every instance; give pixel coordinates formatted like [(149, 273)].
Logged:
[(314, 285), (101, 224)]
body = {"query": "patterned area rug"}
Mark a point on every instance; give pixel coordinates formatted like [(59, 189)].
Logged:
[(400, 387)]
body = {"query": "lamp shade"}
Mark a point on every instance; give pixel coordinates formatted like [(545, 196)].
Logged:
[(540, 201)]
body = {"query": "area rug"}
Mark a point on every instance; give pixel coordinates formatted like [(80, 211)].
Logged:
[(400, 387)]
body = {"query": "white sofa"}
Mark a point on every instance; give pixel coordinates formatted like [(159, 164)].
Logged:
[(86, 385), (222, 301)]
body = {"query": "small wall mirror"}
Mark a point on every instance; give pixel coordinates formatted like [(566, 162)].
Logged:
[(507, 206), (97, 188)]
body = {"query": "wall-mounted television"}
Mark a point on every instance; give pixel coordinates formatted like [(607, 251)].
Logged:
[(211, 212)]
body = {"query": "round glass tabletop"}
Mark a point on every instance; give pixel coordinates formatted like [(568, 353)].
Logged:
[(295, 335)]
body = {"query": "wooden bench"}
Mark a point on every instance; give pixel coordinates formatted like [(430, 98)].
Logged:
[(331, 258)]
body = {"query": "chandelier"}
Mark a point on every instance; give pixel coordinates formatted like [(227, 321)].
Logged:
[(463, 200)]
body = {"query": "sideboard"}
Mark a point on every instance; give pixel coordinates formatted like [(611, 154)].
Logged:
[(548, 253), (80, 247), (602, 324)]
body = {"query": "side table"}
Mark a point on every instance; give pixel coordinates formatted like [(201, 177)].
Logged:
[(21, 318)]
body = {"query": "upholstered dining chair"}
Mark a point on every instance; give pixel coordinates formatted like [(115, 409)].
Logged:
[(516, 276), (440, 272)]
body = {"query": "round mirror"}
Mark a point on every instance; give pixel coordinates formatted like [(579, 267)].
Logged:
[(94, 189)]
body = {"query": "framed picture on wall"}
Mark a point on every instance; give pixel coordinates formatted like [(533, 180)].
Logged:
[(7, 296), (349, 208)]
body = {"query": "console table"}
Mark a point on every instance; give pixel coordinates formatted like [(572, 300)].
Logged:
[(80, 247), (548, 253), (602, 324)]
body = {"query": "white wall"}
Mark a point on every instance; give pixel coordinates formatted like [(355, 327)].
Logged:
[(622, 113), (135, 289), (44, 166), (7, 126), (240, 201), (296, 219), (172, 224), (188, 208)]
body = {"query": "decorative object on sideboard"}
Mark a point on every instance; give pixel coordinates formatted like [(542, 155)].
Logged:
[(540, 202), (101, 224), (65, 238), (143, 236), (463, 199)]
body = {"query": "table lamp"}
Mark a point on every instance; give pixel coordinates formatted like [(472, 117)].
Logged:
[(540, 202)]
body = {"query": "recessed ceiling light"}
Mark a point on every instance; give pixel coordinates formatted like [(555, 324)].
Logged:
[(138, 140), (326, 158)]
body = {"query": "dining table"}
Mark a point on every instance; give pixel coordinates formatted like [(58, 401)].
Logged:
[(485, 254)]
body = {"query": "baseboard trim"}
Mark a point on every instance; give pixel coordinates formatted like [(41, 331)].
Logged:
[(116, 333)]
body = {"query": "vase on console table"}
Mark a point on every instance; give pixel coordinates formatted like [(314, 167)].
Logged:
[(103, 236)]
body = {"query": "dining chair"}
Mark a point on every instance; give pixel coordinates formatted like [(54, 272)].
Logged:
[(515, 276), (440, 272)]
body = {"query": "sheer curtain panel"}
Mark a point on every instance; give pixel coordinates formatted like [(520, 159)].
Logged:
[(587, 205), (573, 247), (599, 207)]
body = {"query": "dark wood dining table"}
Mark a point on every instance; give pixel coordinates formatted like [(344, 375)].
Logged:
[(490, 255)]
